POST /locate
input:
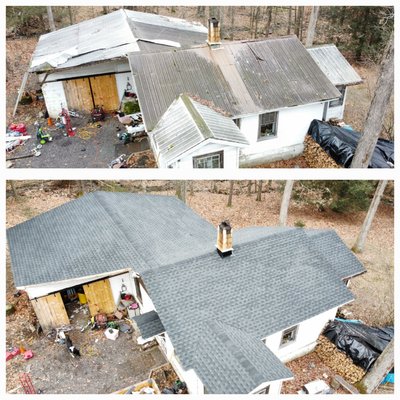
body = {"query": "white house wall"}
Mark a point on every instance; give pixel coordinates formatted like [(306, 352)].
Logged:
[(230, 156), (274, 388), (54, 96), (293, 124), (116, 283), (122, 79), (306, 338)]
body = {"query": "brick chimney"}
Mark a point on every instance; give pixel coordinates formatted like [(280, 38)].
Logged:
[(214, 33), (224, 239)]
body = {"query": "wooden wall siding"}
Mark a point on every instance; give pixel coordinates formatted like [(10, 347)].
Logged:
[(105, 93), (50, 311), (78, 94), (99, 297)]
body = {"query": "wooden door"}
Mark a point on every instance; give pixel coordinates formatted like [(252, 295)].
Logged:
[(105, 93), (78, 94), (50, 311), (99, 297)]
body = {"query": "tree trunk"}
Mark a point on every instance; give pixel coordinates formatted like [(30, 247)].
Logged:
[(259, 190), (51, 18), (71, 15), (230, 193), (232, 21), (377, 110), (301, 18), (256, 18), (379, 370), (14, 190), (287, 193), (249, 185), (362, 236), (180, 190), (269, 19), (105, 10), (312, 25), (289, 20)]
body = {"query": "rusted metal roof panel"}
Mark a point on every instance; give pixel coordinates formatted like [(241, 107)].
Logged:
[(186, 124), (112, 36), (240, 78), (332, 62)]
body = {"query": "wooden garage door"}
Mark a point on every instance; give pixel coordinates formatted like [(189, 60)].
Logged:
[(50, 311), (78, 94), (99, 297), (105, 93)]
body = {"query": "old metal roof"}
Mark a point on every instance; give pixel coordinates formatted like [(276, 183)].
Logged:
[(113, 36), (186, 124), (239, 78), (334, 65)]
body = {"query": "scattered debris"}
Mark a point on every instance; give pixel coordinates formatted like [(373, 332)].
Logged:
[(148, 386)]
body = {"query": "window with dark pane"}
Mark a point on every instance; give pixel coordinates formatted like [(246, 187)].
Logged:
[(289, 335), (338, 102), (212, 160), (268, 125)]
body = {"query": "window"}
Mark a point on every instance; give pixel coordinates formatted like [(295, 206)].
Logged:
[(212, 160), (338, 102), (289, 335), (267, 125)]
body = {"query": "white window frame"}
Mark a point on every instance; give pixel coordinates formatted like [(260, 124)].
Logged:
[(293, 331), (272, 120), (220, 154), (339, 101)]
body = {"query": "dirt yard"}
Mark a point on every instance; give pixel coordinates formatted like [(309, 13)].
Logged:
[(103, 360)]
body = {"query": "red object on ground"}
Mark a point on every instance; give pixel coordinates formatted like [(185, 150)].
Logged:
[(11, 354), (28, 354), (21, 128), (67, 122), (26, 383)]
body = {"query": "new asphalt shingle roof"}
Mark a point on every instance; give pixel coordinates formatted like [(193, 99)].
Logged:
[(215, 310), (149, 324), (102, 232), (240, 78)]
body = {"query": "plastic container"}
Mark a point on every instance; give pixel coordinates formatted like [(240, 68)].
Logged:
[(111, 333), (82, 298)]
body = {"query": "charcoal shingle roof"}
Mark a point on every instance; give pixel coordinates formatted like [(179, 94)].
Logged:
[(215, 310), (149, 324)]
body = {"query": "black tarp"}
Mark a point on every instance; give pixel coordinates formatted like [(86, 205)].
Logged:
[(341, 143), (362, 343)]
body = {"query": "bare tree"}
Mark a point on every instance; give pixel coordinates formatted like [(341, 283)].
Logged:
[(71, 15), (259, 190), (249, 185), (231, 183), (180, 190), (14, 190), (289, 20), (377, 110), (287, 193), (312, 25), (51, 18), (379, 370), (232, 23), (105, 10), (362, 236), (269, 19)]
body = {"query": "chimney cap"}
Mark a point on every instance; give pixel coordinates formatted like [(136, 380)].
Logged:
[(225, 225), (214, 21)]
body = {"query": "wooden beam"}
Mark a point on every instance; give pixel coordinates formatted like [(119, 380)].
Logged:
[(21, 90)]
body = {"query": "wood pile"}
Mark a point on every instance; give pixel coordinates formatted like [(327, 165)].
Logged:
[(315, 156), (142, 159), (338, 361)]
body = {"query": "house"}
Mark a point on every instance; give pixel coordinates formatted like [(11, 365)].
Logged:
[(272, 89), (227, 310), (85, 64), (339, 72)]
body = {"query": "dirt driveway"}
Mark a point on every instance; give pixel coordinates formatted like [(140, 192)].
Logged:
[(93, 146)]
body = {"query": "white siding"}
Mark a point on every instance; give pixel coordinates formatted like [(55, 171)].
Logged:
[(293, 124), (54, 96), (306, 338), (230, 156), (274, 387), (116, 283), (121, 80)]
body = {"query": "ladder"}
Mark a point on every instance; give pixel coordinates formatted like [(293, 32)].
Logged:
[(26, 383)]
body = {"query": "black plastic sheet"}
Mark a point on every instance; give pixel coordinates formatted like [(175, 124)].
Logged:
[(362, 343), (341, 143)]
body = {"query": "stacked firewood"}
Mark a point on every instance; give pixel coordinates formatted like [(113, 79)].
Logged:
[(338, 361), (315, 156)]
